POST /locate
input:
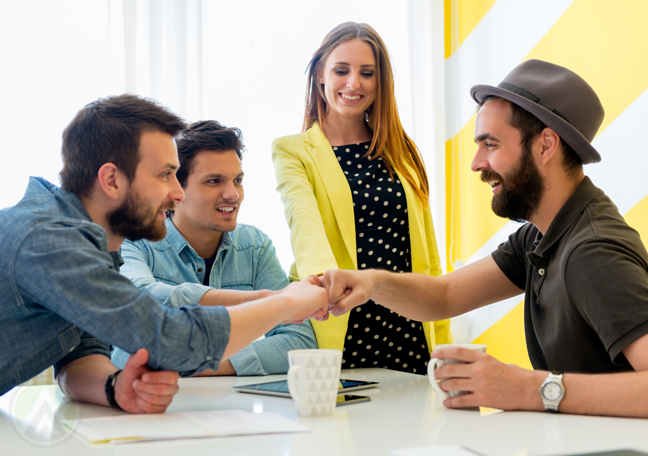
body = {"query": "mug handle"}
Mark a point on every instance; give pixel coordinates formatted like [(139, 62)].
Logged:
[(433, 382), (292, 386)]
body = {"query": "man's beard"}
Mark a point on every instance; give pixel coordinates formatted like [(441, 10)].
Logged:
[(520, 191), (133, 220)]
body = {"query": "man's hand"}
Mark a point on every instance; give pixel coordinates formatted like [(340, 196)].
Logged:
[(308, 298), (142, 390), (347, 289), (491, 382)]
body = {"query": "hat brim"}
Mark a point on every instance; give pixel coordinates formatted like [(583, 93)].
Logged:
[(564, 129)]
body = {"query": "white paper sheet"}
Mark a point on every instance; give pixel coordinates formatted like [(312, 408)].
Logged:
[(183, 425)]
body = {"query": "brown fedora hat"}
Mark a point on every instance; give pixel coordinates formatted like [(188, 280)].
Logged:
[(560, 98)]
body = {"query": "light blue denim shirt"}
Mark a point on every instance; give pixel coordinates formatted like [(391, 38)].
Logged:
[(63, 298), (173, 273)]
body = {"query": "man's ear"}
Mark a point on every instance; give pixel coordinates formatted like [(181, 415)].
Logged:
[(112, 181), (549, 145)]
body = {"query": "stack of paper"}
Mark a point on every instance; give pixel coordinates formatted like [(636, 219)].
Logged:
[(185, 425)]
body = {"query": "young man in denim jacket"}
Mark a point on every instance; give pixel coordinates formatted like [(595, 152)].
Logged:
[(63, 300), (206, 258)]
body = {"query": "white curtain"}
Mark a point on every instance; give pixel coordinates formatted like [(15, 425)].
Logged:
[(241, 63)]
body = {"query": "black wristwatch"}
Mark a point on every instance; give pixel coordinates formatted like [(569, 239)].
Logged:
[(110, 390)]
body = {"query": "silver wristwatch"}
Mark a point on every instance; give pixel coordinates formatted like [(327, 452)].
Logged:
[(552, 391)]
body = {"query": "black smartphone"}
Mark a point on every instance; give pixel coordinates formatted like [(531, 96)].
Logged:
[(348, 399)]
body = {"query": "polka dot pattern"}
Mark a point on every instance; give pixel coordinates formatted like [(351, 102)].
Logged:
[(376, 336)]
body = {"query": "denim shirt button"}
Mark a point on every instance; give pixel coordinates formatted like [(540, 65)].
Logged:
[(199, 269), (72, 349), (209, 358)]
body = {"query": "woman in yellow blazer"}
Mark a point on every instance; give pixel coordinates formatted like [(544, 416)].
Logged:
[(346, 195)]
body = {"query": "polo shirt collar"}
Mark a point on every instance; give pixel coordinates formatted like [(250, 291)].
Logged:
[(566, 216), (179, 243)]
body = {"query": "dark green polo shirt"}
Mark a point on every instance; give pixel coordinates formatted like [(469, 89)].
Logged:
[(585, 282)]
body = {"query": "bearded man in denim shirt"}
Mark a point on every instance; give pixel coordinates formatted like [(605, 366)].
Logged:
[(63, 300), (207, 258)]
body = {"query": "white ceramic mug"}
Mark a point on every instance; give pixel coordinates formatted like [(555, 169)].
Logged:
[(313, 380), (438, 362)]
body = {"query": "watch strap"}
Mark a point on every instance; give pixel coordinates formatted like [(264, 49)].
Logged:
[(110, 390)]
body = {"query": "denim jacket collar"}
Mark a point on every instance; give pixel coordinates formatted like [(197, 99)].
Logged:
[(177, 241), (69, 203), (53, 202)]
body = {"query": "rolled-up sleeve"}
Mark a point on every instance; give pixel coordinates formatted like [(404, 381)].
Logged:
[(177, 296), (89, 345), (270, 355), (137, 268)]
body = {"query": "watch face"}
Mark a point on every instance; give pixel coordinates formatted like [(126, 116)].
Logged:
[(552, 391)]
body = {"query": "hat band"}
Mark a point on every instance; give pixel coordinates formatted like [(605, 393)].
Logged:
[(531, 97)]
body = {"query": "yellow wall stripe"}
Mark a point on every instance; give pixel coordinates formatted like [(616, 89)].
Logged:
[(608, 61), (606, 43), (461, 17), (505, 339), (637, 218)]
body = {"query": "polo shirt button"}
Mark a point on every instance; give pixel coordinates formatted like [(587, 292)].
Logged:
[(199, 269), (541, 271)]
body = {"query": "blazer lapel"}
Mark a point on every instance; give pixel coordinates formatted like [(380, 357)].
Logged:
[(336, 186)]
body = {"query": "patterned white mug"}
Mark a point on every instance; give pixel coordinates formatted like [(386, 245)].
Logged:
[(436, 362), (313, 380)]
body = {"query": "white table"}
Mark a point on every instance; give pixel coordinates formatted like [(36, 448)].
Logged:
[(404, 412)]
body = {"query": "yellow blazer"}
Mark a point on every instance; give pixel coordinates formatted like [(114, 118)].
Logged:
[(319, 209)]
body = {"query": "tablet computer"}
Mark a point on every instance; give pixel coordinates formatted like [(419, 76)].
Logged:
[(280, 388)]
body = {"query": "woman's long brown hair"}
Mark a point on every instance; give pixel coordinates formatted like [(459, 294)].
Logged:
[(389, 140)]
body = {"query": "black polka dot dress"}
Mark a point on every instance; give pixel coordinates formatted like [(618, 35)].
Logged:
[(376, 336)]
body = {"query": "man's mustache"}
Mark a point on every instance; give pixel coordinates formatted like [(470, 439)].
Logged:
[(488, 175)]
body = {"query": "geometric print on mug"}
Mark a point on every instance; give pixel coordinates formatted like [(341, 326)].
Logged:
[(313, 380)]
